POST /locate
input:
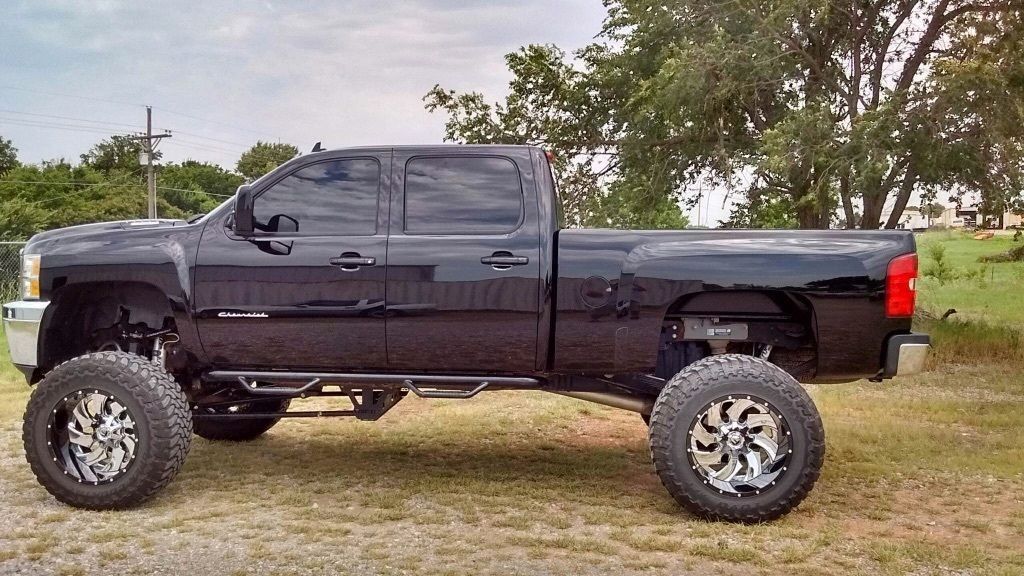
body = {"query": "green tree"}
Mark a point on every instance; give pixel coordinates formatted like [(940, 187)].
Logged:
[(763, 210), (8, 156), (932, 210), (818, 106), (19, 220), (264, 157), (56, 194), (115, 153), (200, 186), (107, 185)]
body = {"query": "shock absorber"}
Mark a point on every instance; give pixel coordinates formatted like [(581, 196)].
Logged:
[(160, 345)]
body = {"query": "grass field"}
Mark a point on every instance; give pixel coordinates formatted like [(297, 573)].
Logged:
[(991, 292), (923, 475)]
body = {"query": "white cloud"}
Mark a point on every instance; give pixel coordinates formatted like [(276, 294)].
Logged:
[(347, 73)]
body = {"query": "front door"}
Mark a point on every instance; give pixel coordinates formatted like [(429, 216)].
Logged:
[(463, 264), (307, 291)]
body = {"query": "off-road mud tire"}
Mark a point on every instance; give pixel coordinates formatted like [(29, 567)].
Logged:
[(161, 415), (715, 377)]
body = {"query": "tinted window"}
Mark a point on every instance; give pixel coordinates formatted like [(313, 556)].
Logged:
[(462, 195), (327, 199)]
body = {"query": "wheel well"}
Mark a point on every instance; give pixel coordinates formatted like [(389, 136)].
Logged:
[(744, 322), (79, 313), (746, 303)]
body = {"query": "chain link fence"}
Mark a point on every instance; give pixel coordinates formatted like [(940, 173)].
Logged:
[(10, 270)]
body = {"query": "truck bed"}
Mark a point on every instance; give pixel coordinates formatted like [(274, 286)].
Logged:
[(615, 288)]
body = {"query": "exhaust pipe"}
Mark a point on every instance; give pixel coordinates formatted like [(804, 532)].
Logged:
[(623, 401)]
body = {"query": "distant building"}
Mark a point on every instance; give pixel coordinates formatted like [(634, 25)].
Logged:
[(969, 217), (912, 219), (954, 217)]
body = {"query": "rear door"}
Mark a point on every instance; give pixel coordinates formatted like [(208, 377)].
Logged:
[(307, 291), (463, 272)]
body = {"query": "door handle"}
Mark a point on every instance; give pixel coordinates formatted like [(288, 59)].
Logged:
[(352, 261), (504, 260)]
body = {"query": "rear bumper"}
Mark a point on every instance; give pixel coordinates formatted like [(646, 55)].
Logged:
[(905, 354), (21, 325)]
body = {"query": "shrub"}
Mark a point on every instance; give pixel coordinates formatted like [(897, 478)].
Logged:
[(1015, 254), (977, 275), (939, 268)]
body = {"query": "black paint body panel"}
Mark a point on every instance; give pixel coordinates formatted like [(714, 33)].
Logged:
[(448, 311), (428, 304), (841, 274), (318, 315)]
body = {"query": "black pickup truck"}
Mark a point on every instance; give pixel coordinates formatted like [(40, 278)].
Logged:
[(444, 271)]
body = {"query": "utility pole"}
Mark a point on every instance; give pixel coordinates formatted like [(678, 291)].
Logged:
[(149, 142)]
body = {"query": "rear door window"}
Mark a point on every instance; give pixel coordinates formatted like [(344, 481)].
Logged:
[(462, 195)]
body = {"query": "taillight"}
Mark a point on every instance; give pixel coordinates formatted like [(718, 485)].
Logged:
[(901, 286)]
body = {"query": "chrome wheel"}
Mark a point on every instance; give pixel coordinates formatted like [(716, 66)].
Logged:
[(739, 445), (92, 436)]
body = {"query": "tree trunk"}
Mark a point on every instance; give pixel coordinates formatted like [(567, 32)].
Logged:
[(844, 195), (903, 195), (873, 206), (809, 217)]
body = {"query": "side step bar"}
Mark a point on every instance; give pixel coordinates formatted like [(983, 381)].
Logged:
[(252, 387), (263, 416), (393, 380), (374, 394), (371, 395), (455, 394)]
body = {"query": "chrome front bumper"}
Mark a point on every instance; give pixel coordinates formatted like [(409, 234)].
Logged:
[(21, 326), (906, 354)]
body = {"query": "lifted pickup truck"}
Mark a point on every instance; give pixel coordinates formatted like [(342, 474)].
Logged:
[(443, 271)]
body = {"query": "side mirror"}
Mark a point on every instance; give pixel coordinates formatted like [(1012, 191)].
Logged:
[(242, 222)]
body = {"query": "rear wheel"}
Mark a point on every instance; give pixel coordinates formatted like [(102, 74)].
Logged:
[(106, 430), (736, 438), (241, 429)]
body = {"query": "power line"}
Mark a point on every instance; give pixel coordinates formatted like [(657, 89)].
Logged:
[(113, 184), (59, 126), (136, 104), (225, 124), (78, 96), (232, 142), (64, 196), (214, 147), (195, 192), (98, 130), (205, 147), (104, 122), (66, 183), (51, 117)]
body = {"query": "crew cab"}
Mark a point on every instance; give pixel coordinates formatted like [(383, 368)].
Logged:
[(445, 271)]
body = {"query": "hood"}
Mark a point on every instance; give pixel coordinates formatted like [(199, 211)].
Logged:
[(85, 229)]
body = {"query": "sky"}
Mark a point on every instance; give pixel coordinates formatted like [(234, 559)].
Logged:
[(220, 75)]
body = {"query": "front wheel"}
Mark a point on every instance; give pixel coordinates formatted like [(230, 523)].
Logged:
[(106, 430), (736, 438)]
